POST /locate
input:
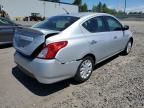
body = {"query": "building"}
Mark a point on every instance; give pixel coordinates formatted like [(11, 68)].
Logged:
[(23, 8)]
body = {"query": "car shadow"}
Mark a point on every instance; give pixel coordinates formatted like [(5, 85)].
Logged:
[(99, 65), (106, 61), (5, 46), (46, 89), (37, 88)]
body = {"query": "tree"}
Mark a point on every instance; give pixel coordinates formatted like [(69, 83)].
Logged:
[(52, 0), (112, 11), (94, 9), (105, 8), (84, 8), (99, 7), (78, 3)]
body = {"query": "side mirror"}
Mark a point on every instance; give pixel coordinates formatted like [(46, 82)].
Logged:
[(126, 27)]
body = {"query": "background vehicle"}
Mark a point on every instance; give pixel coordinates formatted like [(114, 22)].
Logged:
[(70, 45), (34, 17), (7, 28)]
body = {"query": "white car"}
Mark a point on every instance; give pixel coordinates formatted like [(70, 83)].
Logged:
[(68, 46)]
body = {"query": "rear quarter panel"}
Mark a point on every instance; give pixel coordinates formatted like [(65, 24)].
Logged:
[(77, 46), (76, 49)]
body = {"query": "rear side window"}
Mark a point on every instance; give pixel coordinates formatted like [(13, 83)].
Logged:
[(57, 23), (95, 25), (113, 24)]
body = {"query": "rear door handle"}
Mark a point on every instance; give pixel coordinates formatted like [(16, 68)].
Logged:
[(115, 37), (93, 42)]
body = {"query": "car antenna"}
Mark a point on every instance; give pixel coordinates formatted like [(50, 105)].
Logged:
[(65, 10)]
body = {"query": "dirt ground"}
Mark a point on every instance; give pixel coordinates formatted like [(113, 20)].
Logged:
[(115, 83)]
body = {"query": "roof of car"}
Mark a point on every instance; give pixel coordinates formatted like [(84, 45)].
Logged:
[(83, 14)]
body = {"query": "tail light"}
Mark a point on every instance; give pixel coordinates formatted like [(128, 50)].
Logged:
[(50, 50)]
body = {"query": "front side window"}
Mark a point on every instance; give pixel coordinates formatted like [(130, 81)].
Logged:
[(113, 24), (58, 23), (95, 25)]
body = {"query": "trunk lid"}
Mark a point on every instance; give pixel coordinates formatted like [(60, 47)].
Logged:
[(27, 40)]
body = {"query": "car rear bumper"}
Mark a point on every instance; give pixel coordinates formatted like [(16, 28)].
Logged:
[(46, 71)]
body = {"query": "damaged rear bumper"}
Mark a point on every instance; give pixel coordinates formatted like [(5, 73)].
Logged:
[(46, 71)]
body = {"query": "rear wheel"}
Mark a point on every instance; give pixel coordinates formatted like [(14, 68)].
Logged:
[(128, 48), (85, 69)]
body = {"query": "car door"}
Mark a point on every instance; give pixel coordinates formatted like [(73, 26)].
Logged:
[(6, 31), (116, 32), (100, 42)]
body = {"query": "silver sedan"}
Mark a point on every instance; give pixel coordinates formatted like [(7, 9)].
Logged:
[(68, 46)]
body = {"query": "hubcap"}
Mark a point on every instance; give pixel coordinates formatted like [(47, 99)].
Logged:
[(86, 69), (129, 47)]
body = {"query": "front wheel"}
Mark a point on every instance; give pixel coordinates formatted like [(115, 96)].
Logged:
[(128, 48), (84, 70)]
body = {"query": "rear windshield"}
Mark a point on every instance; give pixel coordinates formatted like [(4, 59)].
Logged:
[(4, 21), (57, 23)]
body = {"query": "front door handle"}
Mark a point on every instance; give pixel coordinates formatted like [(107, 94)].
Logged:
[(93, 42)]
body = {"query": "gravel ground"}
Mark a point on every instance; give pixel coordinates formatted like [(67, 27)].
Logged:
[(115, 83)]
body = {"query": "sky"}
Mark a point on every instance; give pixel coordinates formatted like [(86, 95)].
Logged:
[(132, 5)]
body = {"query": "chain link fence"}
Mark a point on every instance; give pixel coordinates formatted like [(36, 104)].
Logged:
[(131, 17)]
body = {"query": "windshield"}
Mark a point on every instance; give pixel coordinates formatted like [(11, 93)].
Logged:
[(57, 23)]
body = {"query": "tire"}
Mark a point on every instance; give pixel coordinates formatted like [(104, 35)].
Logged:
[(127, 50), (84, 70)]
